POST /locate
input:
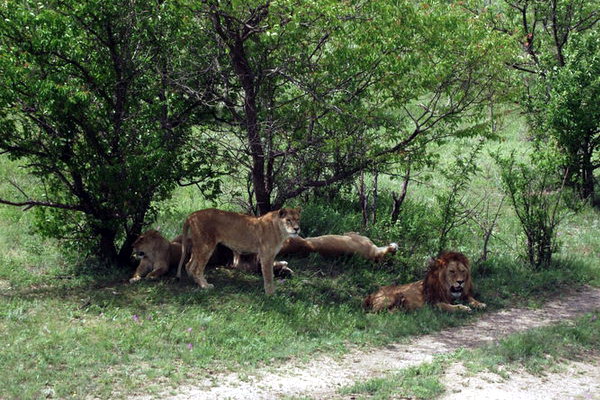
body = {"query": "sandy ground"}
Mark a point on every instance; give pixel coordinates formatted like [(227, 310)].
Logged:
[(323, 376), (575, 380)]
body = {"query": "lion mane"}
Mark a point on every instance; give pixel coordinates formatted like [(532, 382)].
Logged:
[(447, 280)]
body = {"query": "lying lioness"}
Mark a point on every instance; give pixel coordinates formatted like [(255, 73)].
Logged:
[(156, 255), (337, 245)]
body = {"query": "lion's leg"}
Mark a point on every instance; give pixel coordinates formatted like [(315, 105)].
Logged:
[(453, 307), (200, 256), (377, 253), (266, 265), (160, 268), (236, 259), (474, 303), (143, 267)]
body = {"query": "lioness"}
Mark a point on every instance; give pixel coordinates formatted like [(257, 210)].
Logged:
[(151, 249), (337, 245), (448, 278), (156, 255), (243, 234)]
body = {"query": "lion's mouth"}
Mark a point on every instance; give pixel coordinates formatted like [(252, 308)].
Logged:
[(456, 292), (456, 289)]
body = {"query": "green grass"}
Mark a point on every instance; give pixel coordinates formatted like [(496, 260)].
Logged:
[(79, 335), (537, 351), (72, 329), (420, 382)]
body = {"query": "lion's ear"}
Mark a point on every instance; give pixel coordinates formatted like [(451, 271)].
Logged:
[(299, 209), (282, 212)]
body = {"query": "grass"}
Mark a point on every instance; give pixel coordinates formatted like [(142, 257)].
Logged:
[(72, 329), (537, 351)]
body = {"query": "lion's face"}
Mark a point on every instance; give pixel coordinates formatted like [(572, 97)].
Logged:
[(291, 220), (455, 276), (147, 244)]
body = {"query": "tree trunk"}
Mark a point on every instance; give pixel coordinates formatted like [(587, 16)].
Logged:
[(375, 198), (399, 199), (107, 251), (363, 199), (587, 177), (235, 42)]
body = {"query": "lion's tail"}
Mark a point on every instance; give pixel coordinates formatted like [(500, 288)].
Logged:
[(185, 247)]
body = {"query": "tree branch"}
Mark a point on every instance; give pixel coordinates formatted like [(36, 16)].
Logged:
[(33, 203)]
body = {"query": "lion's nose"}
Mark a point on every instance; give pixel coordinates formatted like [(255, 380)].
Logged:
[(460, 282)]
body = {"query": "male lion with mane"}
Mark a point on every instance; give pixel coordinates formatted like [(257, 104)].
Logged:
[(448, 278), (203, 230)]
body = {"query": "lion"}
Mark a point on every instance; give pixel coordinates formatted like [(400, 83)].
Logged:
[(337, 245), (448, 278), (156, 255), (150, 247), (203, 230)]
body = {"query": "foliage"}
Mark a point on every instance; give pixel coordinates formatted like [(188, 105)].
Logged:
[(536, 197), (559, 69), (569, 112), (87, 102), (314, 93), (452, 200)]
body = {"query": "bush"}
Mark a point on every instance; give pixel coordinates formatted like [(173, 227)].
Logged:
[(536, 197)]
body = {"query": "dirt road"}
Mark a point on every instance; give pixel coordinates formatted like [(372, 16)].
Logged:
[(323, 376)]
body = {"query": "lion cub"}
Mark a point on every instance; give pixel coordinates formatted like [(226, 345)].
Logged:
[(243, 234)]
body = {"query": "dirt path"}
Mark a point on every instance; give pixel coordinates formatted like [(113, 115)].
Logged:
[(321, 377)]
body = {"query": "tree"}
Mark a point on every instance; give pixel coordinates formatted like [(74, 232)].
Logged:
[(87, 100), (571, 115), (558, 77), (313, 93), (541, 28)]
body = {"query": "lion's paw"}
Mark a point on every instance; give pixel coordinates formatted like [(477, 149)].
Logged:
[(461, 307), (479, 305), (135, 279)]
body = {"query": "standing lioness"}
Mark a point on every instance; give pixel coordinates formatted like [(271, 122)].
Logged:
[(243, 234)]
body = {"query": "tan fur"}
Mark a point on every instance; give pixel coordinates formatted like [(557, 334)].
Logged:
[(156, 255), (449, 270), (243, 234), (337, 245)]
